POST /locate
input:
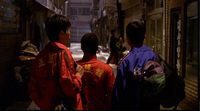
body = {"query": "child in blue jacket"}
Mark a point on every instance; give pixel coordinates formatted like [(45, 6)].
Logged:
[(126, 90)]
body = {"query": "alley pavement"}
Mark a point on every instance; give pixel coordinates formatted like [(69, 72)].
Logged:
[(77, 54)]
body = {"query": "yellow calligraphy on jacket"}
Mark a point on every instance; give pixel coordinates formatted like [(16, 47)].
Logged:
[(87, 68), (41, 63), (51, 58), (99, 72)]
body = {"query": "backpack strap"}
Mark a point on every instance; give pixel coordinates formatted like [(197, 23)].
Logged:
[(67, 60)]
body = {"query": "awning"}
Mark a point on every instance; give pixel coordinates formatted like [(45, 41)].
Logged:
[(36, 6)]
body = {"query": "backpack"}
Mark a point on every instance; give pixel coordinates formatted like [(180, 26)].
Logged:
[(162, 83)]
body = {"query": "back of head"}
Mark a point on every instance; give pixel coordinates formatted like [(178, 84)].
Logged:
[(135, 31), (89, 43), (54, 24)]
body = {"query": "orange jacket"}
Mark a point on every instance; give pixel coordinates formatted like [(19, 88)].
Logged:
[(43, 89), (98, 80)]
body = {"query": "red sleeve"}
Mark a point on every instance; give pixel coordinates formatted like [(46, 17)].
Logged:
[(34, 88), (65, 79), (110, 82)]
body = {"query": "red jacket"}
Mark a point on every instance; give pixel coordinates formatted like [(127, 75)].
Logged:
[(98, 80), (43, 89)]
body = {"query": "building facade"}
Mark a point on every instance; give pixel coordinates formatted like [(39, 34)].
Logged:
[(132, 10), (182, 43), (40, 10), (79, 15), (104, 19)]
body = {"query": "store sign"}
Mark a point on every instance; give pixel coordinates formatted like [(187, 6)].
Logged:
[(179, 45), (80, 23), (9, 17)]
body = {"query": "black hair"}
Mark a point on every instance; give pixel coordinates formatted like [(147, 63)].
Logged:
[(89, 43), (54, 24), (135, 31)]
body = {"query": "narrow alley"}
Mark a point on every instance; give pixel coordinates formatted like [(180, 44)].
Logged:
[(171, 29)]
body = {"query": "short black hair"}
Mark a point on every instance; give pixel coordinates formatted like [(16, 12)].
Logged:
[(135, 31), (54, 24), (89, 43)]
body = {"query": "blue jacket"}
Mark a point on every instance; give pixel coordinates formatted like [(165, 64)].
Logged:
[(126, 91)]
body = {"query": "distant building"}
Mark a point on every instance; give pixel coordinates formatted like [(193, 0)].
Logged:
[(104, 19), (79, 14)]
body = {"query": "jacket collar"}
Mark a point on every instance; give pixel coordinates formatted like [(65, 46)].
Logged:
[(142, 48), (55, 46), (87, 57)]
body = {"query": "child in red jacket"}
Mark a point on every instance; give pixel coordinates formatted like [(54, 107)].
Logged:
[(43, 85), (98, 77)]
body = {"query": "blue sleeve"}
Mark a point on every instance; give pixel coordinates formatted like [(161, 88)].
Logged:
[(117, 97)]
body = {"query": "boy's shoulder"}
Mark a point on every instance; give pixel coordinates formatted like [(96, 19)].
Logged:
[(123, 58), (103, 65), (136, 53), (141, 49)]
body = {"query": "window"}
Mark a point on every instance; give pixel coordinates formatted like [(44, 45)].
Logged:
[(150, 6), (159, 39), (83, 11), (191, 68), (73, 10), (156, 35), (87, 11), (80, 11), (159, 3), (152, 34)]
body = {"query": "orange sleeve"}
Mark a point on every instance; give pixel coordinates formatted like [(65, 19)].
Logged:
[(34, 88), (65, 78), (110, 82)]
